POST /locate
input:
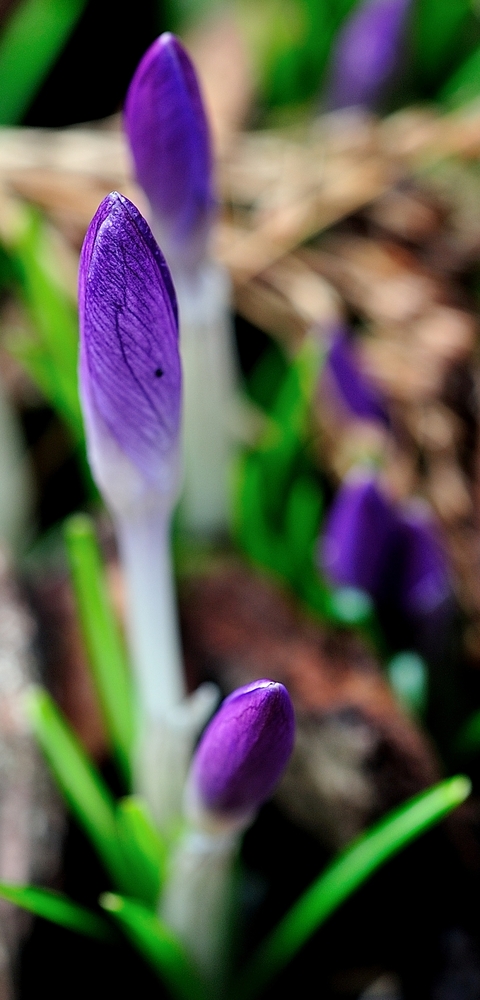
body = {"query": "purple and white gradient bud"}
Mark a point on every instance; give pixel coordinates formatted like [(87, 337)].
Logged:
[(360, 534), (356, 392), (169, 139), (130, 373), (367, 53), (130, 387), (243, 752)]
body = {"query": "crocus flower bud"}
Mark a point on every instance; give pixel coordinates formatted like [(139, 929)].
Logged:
[(356, 391), (243, 751), (130, 375), (359, 536), (424, 581), (366, 53), (169, 138)]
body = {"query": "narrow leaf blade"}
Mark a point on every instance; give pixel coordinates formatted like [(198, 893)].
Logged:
[(31, 41), (106, 653), (82, 786), (345, 874), (144, 850), (58, 909), (159, 946)]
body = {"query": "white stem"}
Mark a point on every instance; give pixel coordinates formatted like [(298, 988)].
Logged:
[(210, 382), (151, 611), (164, 754), (197, 900)]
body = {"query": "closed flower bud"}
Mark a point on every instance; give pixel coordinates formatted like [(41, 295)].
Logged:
[(424, 581), (130, 375), (367, 52), (169, 138), (243, 751), (356, 391), (359, 535)]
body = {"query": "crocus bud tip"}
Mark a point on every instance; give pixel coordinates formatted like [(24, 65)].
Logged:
[(130, 376)]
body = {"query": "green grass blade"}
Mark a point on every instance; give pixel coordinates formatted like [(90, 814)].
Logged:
[(53, 315), (158, 945), (30, 43), (145, 851), (464, 85), (58, 909), (82, 786), (105, 648), (441, 30), (344, 875)]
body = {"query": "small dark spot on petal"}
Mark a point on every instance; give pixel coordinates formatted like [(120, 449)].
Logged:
[(158, 373)]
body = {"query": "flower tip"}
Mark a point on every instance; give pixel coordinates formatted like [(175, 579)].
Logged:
[(245, 749), (169, 138)]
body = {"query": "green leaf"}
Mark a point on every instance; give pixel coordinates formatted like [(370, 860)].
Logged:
[(253, 531), (440, 34), (58, 909), (145, 851), (302, 521), (105, 648), (464, 85), (86, 794), (344, 875), (54, 318), (31, 41), (159, 946)]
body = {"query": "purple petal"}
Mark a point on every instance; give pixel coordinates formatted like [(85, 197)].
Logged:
[(359, 536), (358, 394), (424, 583), (130, 371), (367, 52), (245, 749), (169, 137)]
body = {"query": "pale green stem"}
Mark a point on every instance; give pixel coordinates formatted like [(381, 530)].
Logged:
[(197, 900), (210, 383), (151, 611)]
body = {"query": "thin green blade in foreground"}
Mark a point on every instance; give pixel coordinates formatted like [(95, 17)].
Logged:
[(32, 39), (58, 909), (145, 851), (53, 315), (345, 874), (82, 786), (158, 945), (106, 653)]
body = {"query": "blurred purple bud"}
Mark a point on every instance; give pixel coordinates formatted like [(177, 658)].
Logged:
[(359, 535), (130, 375), (366, 53), (358, 394), (424, 582), (169, 138), (245, 749)]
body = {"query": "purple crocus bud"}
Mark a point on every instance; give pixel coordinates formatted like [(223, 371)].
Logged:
[(424, 581), (360, 535), (169, 138), (366, 53), (355, 389), (130, 375), (244, 750)]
